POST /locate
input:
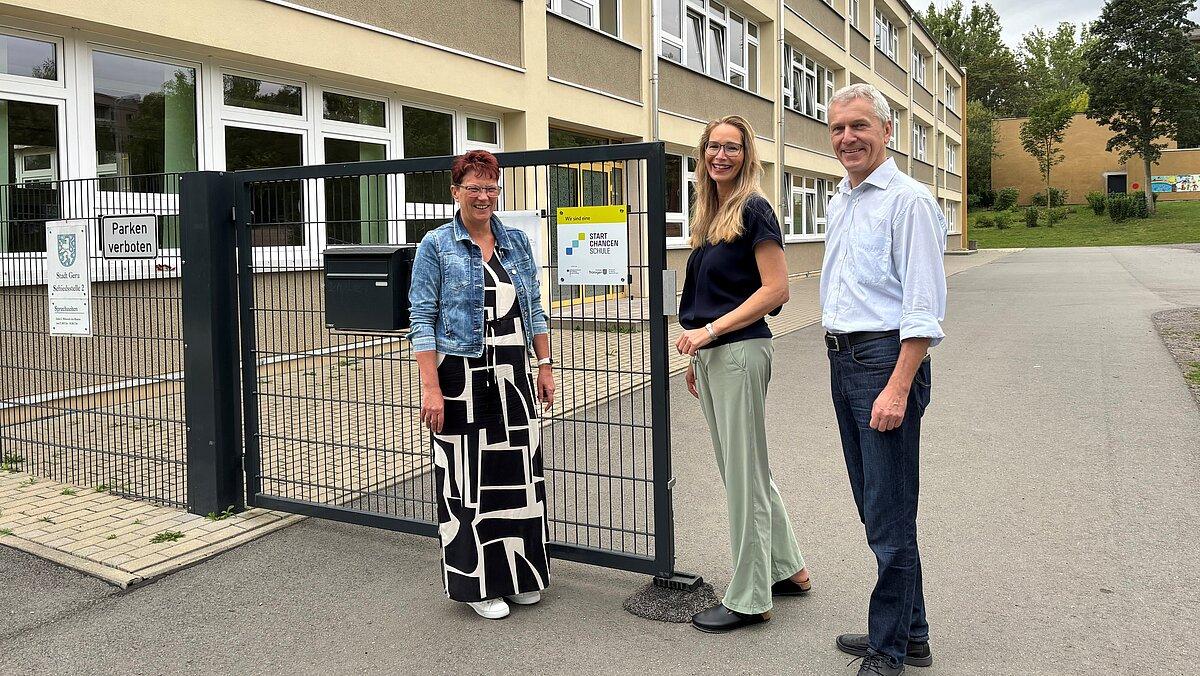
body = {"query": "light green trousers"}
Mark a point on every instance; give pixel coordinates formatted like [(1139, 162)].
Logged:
[(732, 381)]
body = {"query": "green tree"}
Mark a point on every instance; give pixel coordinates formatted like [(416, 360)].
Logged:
[(981, 147), (1143, 76), (1042, 133), (971, 37), (1053, 62)]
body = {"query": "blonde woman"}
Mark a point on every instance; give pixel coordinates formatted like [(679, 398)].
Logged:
[(736, 275)]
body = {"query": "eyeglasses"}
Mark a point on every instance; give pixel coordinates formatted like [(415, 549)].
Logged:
[(731, 149), (477, 190)]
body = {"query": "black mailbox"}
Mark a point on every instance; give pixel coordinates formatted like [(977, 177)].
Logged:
[(366, 287)]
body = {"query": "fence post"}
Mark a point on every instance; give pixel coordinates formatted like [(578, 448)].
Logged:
[(212, 380)]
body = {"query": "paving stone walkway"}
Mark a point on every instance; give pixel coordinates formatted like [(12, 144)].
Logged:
[(127, 542)]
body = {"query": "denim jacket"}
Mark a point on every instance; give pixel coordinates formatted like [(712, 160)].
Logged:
[(446, 293)]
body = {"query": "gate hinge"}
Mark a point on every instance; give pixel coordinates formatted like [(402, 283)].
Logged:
[(233, 214)]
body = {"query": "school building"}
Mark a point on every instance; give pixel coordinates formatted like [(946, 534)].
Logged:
[(1088, 167), (112, 88)]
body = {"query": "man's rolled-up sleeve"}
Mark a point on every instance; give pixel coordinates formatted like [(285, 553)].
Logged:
[(918, 247), (423, 294)]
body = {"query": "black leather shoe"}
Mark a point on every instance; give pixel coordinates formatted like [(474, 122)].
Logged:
[(856, 644), (877, 665), (719, 619), (786, 587)]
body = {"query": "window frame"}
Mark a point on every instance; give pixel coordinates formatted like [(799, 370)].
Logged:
[(594, 6), (60, 58), (814, 190), (713, 15), (919, 71), (920, 142), (884, 25), (894, 142), (951, 96), (809, 82)]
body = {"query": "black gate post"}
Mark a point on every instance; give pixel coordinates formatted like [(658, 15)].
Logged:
[(210, 341)]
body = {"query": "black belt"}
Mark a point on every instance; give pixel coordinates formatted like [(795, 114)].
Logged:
[(844, 341)]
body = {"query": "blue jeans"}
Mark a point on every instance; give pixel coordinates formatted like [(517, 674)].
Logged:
[(885, 478)]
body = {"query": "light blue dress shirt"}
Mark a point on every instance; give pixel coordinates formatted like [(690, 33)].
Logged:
[(883, 267)]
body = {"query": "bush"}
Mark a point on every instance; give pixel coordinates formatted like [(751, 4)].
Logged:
[(1001, 220), (987, 198), (1057, 198), (985, 221), (1096, 201), (973, 202), (1118, 207), (1031, 217), (1006, 198), (1138, 206), (1055, 215)]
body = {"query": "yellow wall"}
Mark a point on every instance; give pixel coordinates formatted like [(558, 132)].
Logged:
[(1085, 162)]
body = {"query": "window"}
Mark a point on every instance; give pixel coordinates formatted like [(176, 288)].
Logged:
[(887, 38), (808, 206), (951, 95), (355, 206), (264, 95), (951, 155), (483, 131), (920, 136), (353, 109), (278, 207), (29, 158), (894, 141), (681, 171), (705, 36), (951, 212), (599, 14), (145, 119), (854, 13), (427, 200), (809, 86), (918, 66), (25, 57)]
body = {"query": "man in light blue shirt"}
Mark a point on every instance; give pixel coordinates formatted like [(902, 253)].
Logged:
[(883, 297)]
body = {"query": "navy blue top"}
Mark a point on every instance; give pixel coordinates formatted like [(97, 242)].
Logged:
[(720, 277)]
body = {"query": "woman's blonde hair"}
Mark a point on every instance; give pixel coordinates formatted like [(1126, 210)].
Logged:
[(712, 222)]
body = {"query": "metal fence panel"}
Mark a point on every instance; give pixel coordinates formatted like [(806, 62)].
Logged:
[(331, 418), (106, 411)]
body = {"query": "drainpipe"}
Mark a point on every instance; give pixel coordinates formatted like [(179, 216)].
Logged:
[(654, 29), (785, 191)]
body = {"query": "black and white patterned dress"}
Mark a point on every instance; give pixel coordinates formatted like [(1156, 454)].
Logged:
[(488, 460)]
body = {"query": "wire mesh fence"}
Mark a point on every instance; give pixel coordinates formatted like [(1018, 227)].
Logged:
[(332, 418), (104, 411)]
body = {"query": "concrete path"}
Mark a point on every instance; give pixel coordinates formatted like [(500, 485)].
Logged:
[(1059, 520)]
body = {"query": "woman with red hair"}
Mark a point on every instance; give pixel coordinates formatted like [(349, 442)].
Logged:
[(476, 314)]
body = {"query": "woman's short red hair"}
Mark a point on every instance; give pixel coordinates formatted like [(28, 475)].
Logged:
[(481, 162)]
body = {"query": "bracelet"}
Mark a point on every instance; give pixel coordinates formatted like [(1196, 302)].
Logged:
[(545, 361), (712, 333)]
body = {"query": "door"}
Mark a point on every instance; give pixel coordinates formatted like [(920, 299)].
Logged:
[(1116, 183)]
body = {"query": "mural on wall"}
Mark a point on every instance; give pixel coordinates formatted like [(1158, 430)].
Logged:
[(1177, 183)]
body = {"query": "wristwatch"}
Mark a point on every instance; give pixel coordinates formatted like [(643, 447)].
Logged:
[(712, 333), (545, 361)]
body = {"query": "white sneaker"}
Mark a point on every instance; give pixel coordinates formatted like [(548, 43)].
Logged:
[(526, 599), (492, 609)]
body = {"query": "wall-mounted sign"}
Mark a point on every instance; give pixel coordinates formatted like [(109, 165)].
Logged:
[(130, 236), (593, 245), (68, 278), (1175, 183)]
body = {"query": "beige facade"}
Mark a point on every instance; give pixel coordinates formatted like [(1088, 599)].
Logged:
[(1086, 166), (498, 74)]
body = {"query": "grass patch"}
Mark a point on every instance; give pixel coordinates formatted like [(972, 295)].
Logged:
[(5, 531), (68, 491), (1193, 374), (111, 537), (102, 488), (1175, 223), (11, 463), (28, 482), (215, 516), (166, 536)]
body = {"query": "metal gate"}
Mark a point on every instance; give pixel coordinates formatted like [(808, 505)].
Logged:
[(331, 419), (103, 412)]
